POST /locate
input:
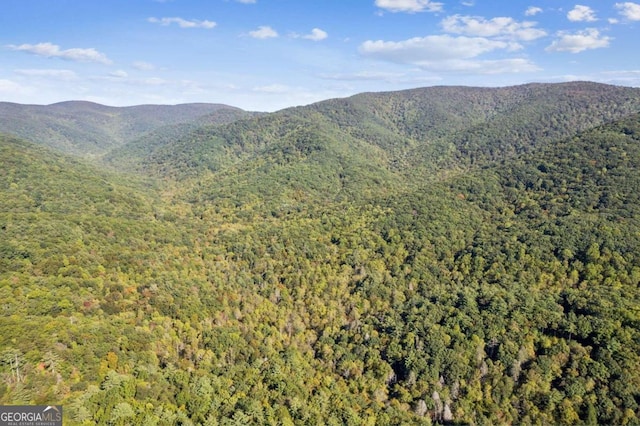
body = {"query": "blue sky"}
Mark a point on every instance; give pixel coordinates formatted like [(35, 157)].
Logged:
[(270, 54)]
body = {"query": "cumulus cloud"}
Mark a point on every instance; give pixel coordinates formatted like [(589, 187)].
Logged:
[(50, 50), (48, 73), (500, 27), (183, 23), (409, 6), (264, 32), (444, 52), (629, 10), (533, 10), (579, 41), (316, 35), (582, 13)]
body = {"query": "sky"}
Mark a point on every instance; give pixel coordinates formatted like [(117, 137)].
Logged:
[(265, 55)]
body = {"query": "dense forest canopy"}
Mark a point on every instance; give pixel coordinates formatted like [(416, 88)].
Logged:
[(444, 255)]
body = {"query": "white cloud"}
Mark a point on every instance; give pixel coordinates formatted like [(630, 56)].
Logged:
[(532, 10), (432, 47), (501, 27), (48, 73), (316, 35), (119, 74), (183, 23), (143, 66), (50, 50), (410, 6), (428, 51), (629, 10), (580, 41), (445, 53), (264, 32), (582, 13), (246, 1)]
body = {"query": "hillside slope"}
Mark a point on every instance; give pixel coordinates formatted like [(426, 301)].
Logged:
[(90, 129), (503, 291), (374, 143)]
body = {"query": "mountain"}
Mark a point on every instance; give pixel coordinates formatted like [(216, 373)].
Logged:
[(377, 142), (90, 129), (434, 256)]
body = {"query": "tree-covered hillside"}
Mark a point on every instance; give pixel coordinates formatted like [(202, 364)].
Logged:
[(415, 134), (299, 268), (90, 129)]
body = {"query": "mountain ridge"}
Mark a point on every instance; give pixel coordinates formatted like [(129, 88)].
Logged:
[(402, 137), (89, 129)]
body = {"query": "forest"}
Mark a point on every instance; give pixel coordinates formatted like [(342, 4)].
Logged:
[(445, 255)]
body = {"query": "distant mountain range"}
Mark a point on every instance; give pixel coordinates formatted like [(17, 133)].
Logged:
[(411, 126), (90, 129), (336, 149)]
